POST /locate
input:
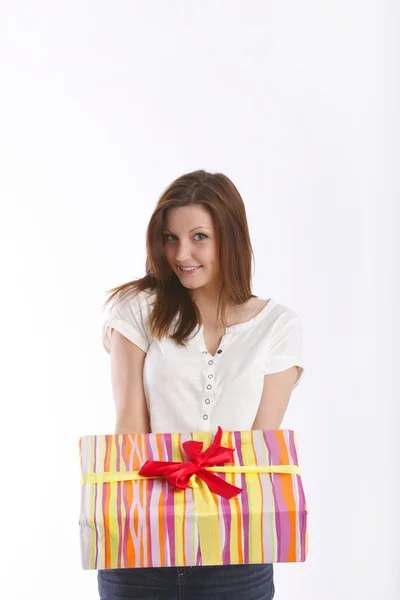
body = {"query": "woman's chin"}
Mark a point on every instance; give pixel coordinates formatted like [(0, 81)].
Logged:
[(191, 280), (191, 285)]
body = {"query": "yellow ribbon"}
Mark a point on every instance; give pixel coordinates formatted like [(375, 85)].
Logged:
[(114, 476)]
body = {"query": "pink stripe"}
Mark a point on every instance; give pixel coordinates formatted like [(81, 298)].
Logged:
[(153, 508), (302, 513), (268, 535), (198, 561), (96, 559), (103, 508), (226, 522), (150, 485), (281, 521), (103, 503), (189, 512), (169, 508), (292, 447), (302, 518)]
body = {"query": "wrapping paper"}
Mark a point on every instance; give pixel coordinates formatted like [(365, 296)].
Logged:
[(128, 520)]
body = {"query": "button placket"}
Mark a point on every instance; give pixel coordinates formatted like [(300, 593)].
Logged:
[(209, 391), (206, 407), (209, 387)]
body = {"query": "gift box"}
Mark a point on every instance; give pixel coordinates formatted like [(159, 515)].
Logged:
[(159, 500)]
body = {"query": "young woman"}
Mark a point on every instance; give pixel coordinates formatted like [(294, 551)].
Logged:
[(192, 348)]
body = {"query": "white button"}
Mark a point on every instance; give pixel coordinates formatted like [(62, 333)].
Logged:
[(205, 417), (209, 387), (205, 352), (207, 400), (210, 376), (210, 362)]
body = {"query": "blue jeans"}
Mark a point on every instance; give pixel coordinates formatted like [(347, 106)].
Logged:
[(227, 582)]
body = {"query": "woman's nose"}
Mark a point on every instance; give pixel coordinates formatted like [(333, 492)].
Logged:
[(182, 253)]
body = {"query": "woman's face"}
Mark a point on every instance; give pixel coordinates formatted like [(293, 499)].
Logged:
[(190, 241)]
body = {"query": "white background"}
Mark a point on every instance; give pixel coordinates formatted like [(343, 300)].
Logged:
[(103, 104)]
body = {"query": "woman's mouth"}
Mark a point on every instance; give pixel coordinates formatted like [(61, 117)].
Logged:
[(189, 270)]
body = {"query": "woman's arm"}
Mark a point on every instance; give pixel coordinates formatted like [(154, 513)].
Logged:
[(127, 361), (275, 398)]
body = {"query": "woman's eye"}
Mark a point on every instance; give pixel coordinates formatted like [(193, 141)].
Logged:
[(170, 237)]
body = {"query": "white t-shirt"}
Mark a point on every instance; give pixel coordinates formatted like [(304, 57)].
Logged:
[(187, 389)]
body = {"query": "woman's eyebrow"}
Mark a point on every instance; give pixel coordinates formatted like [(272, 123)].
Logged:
[(200, 227)]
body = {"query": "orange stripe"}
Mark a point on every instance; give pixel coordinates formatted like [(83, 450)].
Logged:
[(130, 548), (127, 450), (288, 495), (136, 461)]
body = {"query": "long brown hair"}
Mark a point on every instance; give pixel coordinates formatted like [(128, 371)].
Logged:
[(216, 193)]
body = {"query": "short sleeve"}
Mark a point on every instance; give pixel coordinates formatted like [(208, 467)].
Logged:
[(129, 316), (285, 349)]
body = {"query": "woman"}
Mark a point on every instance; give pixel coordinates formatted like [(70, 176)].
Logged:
[(192, 348)]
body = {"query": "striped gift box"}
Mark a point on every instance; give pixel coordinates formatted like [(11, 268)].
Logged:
[(127, 520)]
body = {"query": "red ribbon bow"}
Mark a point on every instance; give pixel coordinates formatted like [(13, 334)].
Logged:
[(179, 473)]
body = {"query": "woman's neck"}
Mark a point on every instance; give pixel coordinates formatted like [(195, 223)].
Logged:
[(207, 303)]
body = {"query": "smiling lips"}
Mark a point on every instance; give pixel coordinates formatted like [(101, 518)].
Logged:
[(189, 269)]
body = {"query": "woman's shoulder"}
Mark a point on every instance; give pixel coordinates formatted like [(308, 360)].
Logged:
[(279, 318), (132, 306), (129, 314), (278, 310), (134, 300), (284, 335)]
